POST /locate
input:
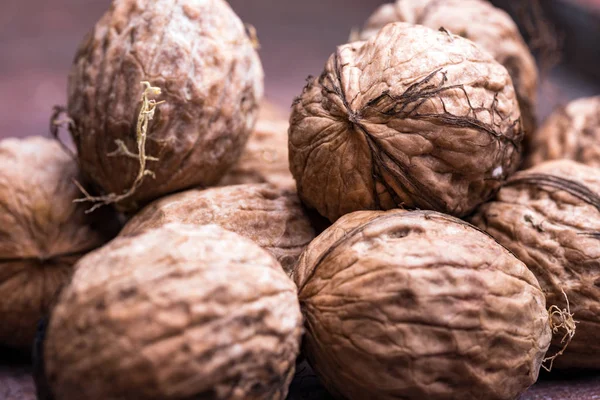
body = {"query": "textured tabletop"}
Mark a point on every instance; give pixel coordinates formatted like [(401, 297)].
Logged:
[(17, 384)]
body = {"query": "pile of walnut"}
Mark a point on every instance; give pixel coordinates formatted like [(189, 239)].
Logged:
[(215, 283)]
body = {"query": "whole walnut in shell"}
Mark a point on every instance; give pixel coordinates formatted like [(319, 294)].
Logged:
[(197, 52), (477, 20), (265, 158), (571, 132), (413, 117), (42, 232), (419, 305), (179, 312), (549, 216), (271, 217)]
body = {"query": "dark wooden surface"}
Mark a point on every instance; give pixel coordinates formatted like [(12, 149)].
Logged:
[(16, 384), (38, 40), (550, 387)]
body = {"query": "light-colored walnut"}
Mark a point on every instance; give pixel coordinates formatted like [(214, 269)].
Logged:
[(178, 312), (42, 232), (549, 216), (571, 132), (479, 21), (265, 158), (270, 216), (412, 118), (419, 305), (198, 53)]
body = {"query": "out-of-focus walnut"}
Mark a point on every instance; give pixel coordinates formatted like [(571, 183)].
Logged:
[(477, 20), (42, 232), (549, 216), (419, 305), (412, 118), (271, 217), (265, 158), (179, 312), (198, 54), (571, 132)]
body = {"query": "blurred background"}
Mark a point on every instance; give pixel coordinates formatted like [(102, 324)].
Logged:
[(38, 39)]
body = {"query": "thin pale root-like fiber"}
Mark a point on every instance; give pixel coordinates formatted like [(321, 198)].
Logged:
[(145, 115)]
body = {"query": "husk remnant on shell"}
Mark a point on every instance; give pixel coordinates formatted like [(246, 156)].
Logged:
[(200, 54), (145, 115), (560, 320), (392, 123)]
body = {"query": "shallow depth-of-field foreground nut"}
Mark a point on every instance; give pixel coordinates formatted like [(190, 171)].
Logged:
[(42, 232), (549, 216), (479, 21), (419, 305), (571, 132), (272, 217), (179, 312), (265, 158), (198, 54), (412, 118)]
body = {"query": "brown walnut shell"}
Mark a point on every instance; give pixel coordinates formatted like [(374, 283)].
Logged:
[(265, 158), (179, 312), (42, 232), (419, 305), (571, 132), (211, 78), (477, 20), (549, 216), (413, 117), (271, 217)]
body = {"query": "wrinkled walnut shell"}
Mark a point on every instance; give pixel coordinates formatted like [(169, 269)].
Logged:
[(265, 158), (419, 305), (549, 216), (271, 217), (413, 117), (42, 232), (571, 132), (179, 312), (479, 21), (211, 78)]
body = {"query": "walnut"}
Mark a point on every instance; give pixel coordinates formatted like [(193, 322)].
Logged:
[(549, 216), (413, 117), (265, 158), (42, 232), (419, 305), (271, 217), (179, 312), (211, 80), (477, 20), (571, 132)]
